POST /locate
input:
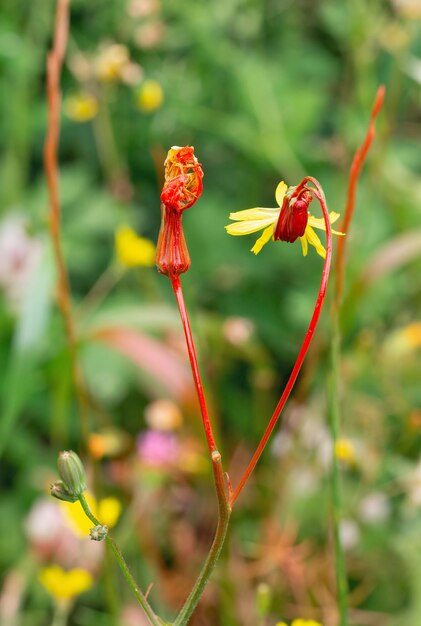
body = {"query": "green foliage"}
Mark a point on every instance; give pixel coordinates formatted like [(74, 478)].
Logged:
[(265, 90)]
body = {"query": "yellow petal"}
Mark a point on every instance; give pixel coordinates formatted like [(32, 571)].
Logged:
[(304, 245), (313, 240), (280, 192), (75, 515), (248, 227), (132, 250), (258, 213), (78, 581), (109, 510), (319, 222), (263, 239), (64, 585)]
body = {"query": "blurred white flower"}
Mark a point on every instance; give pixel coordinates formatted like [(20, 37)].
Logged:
[(51, 538), (413, 485), (238, 330), (282, 444), (374, 508), (142, 8), (149, 35), (163, 415), (19, 255), (349, 533)]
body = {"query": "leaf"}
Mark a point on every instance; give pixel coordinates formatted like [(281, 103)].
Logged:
[(30, 331)]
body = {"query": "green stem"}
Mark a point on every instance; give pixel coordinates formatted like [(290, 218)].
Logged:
[(215, 550), (61, 614), (153, 619), (334, 424)]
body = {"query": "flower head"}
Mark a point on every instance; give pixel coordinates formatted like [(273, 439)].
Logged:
[(183, 178), (182, 187), (65, 585), (288, 222)]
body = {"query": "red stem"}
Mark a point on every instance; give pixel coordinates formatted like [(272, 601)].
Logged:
[(178, 292), (354, 174), (318, 193)]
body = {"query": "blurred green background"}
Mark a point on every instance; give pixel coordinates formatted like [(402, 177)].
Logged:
[(265, 90)]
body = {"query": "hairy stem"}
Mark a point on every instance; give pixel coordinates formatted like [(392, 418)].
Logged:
[(153, 619), (215, 550)]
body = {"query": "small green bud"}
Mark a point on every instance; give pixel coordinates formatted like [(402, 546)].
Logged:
[(99, 532), (72, 472), (263, 599), (58, 490)]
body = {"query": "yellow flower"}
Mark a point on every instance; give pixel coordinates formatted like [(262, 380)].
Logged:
[(132, 250), (65, 585), (107, 511), (81, 107), (259, 218), (150, 96), (111, 62), (345, 451)]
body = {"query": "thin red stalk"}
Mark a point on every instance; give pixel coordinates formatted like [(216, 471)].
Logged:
[(178, 292), (318, 193), (54, 67), (354, 174)]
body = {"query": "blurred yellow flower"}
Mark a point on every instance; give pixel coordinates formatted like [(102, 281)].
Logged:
[(132, 250), (107, 511), (412, 334), (345, 451), (111, 62), (150, 96), (110, 442), (65, 585), (81, 107), (301, 622)]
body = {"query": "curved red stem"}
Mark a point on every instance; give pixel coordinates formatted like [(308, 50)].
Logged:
[(354, 174), (318, 193), (178, 292)]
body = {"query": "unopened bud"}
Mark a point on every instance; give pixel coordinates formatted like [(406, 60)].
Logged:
[(183, 186), (263, 599), (72, 472), (58, 490), (99, 532)]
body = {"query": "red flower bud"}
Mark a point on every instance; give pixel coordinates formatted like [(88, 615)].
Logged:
[(183, 186), (293, 217)]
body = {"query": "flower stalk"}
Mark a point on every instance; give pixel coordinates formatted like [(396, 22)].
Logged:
[(301, 190), (334, 410), (154, 620)]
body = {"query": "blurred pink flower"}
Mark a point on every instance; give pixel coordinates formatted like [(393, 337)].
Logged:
[(19, 255), (133, 615), (156, 448)]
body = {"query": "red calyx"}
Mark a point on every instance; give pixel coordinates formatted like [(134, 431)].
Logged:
[(293, 217)]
